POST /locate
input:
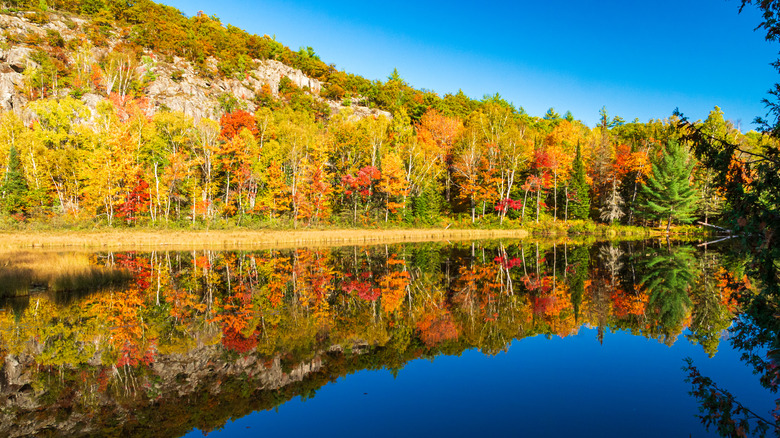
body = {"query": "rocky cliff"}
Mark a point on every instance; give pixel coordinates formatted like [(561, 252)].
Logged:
[(168, 83)]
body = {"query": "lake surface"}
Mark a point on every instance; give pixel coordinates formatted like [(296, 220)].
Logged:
[(496, 338)]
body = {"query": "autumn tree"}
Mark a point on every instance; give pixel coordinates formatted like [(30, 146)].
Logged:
[(360, 189), (422, 165), (393, 184), (440, 131), (119, 71), (542, 180), (205, 148), (232, 123), (136, 201), (296, 134), (170, 161), (58, 129), (315, 193), (602, 153), (710, 200), (559, 145), (466, 167), (504, 151)]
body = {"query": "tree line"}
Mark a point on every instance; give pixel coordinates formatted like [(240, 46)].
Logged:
[(121, 166)]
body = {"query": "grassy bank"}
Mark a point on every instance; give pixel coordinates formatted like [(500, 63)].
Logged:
[(589, 228), (140, 238), (180, 239)]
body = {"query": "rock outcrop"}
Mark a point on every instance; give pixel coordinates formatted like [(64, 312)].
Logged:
[(174, 85)]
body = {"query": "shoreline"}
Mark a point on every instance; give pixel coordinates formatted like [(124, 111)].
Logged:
[(239, 238)]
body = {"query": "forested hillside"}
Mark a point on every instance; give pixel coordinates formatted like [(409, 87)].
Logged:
[(130, 114)]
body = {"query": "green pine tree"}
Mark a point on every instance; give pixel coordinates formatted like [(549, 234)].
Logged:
[(426, 208), (668, 194), (14, 187), (579, 204)]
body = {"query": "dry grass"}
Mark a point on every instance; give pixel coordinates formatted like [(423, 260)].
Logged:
[(128, 239), (24, 271)]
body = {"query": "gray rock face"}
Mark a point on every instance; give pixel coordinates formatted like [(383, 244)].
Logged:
[(91, 101), (17, 58), (16, 25), (271, 72), (357, 112), (10, 99), (176, 86), (198, 97)]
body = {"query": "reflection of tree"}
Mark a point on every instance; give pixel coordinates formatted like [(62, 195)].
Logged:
[(721, 409), (604, 288), (629, 300), (610, 259), (666, 277), (579, 261), (436, 328), (277, 301), (713, 298), (756, 334)]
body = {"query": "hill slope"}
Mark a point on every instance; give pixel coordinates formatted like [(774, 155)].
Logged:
[(53, 55)]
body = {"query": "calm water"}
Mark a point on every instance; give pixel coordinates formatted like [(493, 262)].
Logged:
[(487, 338)]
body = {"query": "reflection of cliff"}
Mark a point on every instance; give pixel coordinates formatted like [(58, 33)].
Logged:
[(202, 389), (198, 338), (165, 400)]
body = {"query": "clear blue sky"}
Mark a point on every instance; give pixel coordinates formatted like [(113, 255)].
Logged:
[(639, 59)]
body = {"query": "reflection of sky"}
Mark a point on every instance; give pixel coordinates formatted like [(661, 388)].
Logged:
[(629, 386)]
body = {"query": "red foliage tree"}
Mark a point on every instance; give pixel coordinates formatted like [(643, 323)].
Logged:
[(137, 201), (233, 123), (361, 187)]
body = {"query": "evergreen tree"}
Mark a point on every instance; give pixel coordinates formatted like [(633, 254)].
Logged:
[(14, 187), (426, 208), (668, 194), (579, 204)]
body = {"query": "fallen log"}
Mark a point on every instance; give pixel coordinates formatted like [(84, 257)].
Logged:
[(715, 226)]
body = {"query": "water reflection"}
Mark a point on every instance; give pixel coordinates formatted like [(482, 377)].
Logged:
[(196, 338), (65, 274)]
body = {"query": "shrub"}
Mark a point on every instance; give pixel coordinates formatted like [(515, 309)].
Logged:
[(582, 227)]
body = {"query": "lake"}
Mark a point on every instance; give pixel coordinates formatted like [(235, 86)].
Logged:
[(490, 338)]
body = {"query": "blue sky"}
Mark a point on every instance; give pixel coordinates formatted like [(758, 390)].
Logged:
[(639, 59)]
